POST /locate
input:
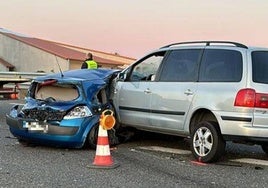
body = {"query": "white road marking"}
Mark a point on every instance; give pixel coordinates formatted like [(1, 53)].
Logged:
[(251, 161), (166, 150), (186, 152)]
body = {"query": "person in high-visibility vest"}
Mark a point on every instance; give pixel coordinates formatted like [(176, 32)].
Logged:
[(89, 63)]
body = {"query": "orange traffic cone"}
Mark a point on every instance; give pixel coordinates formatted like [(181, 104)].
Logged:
[(103, 158)]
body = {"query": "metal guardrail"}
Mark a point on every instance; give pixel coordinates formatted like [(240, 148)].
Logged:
[(31, 75), (27, 75)]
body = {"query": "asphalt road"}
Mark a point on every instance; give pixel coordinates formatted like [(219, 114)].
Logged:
[(147, 160)]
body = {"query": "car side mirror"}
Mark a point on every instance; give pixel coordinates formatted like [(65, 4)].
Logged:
[(121, 76)]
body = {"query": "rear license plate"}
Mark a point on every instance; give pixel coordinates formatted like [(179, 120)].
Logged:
[(34, 126)]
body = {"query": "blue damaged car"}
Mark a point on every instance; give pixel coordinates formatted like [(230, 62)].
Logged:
[(63, 109)]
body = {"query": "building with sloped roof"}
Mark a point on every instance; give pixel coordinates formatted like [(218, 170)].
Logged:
[(22, 53)]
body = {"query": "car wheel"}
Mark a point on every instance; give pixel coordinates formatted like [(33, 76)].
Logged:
[(265, 148), (93, 137), (23, 142), (26, 143), (207, 144)]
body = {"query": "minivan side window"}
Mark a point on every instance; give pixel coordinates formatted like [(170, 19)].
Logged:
[(147, 68), (181, 66), (219, 65), (260, 66)]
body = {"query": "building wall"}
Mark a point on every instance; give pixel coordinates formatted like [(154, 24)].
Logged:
[(27, 58), (75, 64), (3, 68)]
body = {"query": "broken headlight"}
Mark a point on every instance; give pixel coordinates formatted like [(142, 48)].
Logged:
[(78, 112)]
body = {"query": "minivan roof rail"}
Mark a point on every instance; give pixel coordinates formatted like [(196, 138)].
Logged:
[(207, 43)]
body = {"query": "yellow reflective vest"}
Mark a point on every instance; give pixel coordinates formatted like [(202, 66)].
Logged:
[(91, 64)]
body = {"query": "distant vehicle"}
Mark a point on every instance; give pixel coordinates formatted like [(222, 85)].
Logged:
[(210, 91), (9, 88), (63, 109)]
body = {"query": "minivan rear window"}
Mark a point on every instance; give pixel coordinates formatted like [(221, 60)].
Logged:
[(260, 66), (220, 65)]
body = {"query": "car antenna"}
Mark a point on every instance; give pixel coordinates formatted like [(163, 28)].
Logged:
[(59, 67)]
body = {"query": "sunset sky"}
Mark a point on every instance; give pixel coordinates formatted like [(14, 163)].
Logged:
[(135, 27)]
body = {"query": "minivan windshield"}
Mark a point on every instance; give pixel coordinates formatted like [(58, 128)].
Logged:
[(260, 66)]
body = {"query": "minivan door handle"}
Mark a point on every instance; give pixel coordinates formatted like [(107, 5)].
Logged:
[(188, 92), (147, 91)]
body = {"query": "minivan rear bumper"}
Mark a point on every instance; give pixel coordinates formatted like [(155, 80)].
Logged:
[(241, 127), (245, 139)]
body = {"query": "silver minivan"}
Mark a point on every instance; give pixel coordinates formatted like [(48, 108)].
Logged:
[(210, 91)]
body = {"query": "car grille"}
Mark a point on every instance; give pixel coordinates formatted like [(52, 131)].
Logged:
[(44, 114)]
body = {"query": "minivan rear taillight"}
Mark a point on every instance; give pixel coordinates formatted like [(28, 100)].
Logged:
[(249, 98), (261, 100)]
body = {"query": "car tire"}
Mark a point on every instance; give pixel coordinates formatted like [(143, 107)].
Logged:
[(93, 137), (26, 143), (265, 148), (23, 142), (207, 144)]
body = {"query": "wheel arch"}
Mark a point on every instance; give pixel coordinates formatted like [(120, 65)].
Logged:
[(202, 115), (88, 128)]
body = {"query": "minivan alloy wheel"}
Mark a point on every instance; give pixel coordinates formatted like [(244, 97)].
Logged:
[(207, 144), (202, 141)]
